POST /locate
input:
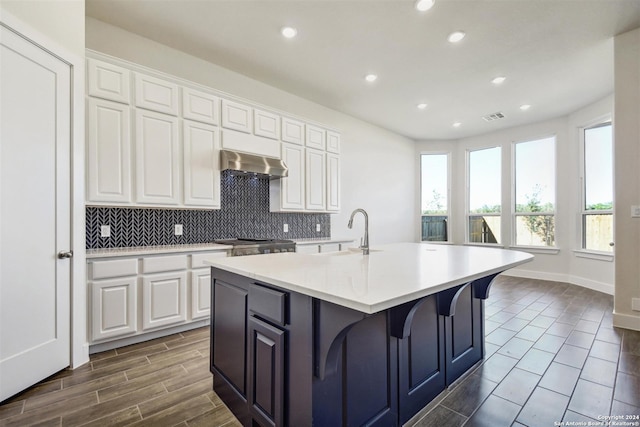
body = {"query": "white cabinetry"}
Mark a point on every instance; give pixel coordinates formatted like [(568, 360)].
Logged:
[(156, 94), (112, 289), (108, 152), (164, 299), (292, 131), (201, 284), (157, 158), (266, 124), (288, 194), (236, 116), (108, 81), (200, 106), (316, 137), (201, 165), (333, 182), (315, 179), (333, 142)]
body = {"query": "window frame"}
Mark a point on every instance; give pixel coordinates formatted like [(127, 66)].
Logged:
[(467, 206), (515, 214), (602, 121), (448, 206)]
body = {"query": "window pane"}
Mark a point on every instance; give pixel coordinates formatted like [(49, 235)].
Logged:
[(598, 168), (484, 229), (535, 175), (485, 185), (434, 183), (434, 228), (598, 232), (535, 230)]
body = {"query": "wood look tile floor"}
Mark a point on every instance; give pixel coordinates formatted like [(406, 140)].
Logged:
[(552, 355)]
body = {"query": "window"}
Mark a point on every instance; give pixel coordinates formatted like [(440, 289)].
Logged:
[(597, 188), (434, 179), (485, 193), (535, 192)]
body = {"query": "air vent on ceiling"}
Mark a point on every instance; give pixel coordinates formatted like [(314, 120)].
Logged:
[(494, 116)]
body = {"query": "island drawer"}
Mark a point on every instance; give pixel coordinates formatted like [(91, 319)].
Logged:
[(268, 303)]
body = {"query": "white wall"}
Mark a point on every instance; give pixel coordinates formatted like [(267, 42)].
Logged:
[(627, 177), (563, 264), (378, 172)]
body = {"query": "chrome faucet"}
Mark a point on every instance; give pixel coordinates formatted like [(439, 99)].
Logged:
[(364, 246)]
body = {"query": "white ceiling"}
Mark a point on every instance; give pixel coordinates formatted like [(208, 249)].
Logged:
[(557, 55)]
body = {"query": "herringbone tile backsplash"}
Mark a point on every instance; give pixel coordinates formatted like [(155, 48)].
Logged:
[(244, 213)]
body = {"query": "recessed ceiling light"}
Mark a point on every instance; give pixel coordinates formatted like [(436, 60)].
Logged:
[(424, 5), (421, 106), (498, 80), (371, 78), (289, 32), (456, 36), (457, 124), (525, 107)]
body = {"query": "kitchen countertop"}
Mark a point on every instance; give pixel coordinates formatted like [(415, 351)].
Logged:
[(391, 275), (153, 250), (303, 242)]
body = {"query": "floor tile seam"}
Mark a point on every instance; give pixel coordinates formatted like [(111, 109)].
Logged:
[(456, 412), (67, 397)]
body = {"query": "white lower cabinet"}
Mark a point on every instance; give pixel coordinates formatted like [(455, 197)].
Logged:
[(164, 299), (113, 307), (200, 293)]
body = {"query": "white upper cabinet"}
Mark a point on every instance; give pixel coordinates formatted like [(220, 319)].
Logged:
[(108, 81), (200, 106), (288, 194), (315, 173), (232, 140), (201, 165), (316, 137), (156, 94), (292, 131), (108, 152), (333, 182), (266, 124), (157, 159), (333, 142), (236, 116)]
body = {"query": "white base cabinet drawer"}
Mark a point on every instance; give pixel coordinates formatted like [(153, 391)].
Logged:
[(113, 268), (200, 293), (164, 299), (113, 308)]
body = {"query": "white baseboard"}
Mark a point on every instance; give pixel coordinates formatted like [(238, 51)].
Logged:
[(566, 278), (626, 321)]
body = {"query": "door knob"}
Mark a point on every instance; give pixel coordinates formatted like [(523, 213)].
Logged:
[(65, 254)]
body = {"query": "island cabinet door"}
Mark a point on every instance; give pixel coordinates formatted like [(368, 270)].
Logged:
[(464, 335), (266, 373), (421, 361), (229, 326)]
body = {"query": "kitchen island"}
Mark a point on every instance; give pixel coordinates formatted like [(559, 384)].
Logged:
[(347, 339)]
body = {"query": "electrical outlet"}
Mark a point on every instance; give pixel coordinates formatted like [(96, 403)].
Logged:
[(318, 227), (105, 231), (635, 211), (177, 230), (285, 228), (635, 304)]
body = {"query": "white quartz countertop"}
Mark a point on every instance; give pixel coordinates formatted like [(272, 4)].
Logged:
[(155, 250), (391, 275)]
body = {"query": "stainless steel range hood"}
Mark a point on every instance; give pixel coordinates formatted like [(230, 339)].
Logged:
[(250, 163)]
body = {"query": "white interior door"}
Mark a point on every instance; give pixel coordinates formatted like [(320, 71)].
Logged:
[(35, 133)]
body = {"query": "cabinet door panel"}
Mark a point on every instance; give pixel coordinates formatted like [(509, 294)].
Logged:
[(266, 372), (164, 299), (252, 144), (316, 137), (108, 152), (315, 171), (108, 81), (333, 182), (201, 165), (333, 142), (229, 325), (200, 106), (236, 116), (292, 131), (293, 185), (157, 158), (156, 94), (200, 293), (266, 124), (113, 308)]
